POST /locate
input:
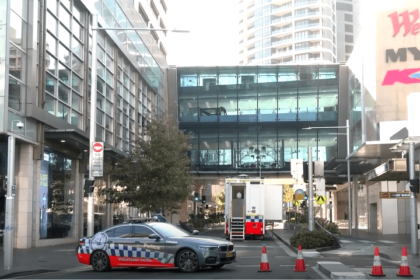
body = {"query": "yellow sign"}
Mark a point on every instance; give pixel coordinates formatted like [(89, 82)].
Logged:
[(321, 199), (296, 202), (299, 196)]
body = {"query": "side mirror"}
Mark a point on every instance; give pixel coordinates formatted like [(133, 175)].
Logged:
[(154, 236), (195, 232)]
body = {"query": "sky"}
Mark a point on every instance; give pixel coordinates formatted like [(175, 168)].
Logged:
[(213, 38)]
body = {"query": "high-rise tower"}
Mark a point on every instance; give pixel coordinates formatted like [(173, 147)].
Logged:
[(287, 31)]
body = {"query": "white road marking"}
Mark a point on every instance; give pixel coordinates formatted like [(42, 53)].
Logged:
[(247, 265), (366, 241), (236, 246), (250, 257), (387, 241), (345, 241)]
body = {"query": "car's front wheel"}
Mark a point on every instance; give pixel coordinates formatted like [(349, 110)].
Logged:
[(187, 261), (100, 261)]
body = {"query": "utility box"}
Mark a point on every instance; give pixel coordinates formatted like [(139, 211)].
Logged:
[(318, 169)]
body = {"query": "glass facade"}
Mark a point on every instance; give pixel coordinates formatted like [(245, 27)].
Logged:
[(56, 196), (252, 117)]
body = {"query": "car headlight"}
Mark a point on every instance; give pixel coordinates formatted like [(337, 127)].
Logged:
[(207, 248)]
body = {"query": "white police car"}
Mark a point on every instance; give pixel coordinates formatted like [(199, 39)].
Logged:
[(153, 245)]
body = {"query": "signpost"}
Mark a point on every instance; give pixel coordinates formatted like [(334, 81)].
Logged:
[(385, 195), (97, 163), (321, 199)]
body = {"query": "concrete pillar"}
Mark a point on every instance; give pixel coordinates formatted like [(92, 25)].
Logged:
[(24, 200)]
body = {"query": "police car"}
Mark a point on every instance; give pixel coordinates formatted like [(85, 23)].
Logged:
[(153, 245)]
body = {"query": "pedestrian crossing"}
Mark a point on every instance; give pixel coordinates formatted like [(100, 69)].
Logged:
[(345, 241)]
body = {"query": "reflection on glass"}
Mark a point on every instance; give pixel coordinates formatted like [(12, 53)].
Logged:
[(49, 104), (14, 94), (50, 83), (77, 48), (77, 66), (63, 92), (62, 111), (51, 63), (64, 17), (17, 30), (56, 196), (17, 61), (77, 84), (76, 102), (64, 54), (51, 24), (76, 119), (77, 30), (51, 44), (52, 6), (64, 74)]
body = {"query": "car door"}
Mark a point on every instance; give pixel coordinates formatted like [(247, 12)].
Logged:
[(120, 245), (152, 252)]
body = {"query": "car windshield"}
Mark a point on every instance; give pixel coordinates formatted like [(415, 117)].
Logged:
[(169, 230)]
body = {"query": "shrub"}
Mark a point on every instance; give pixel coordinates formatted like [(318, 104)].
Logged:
[(313, 239)]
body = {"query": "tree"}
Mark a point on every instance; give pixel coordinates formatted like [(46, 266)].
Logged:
[(156, 172), (220, 200)]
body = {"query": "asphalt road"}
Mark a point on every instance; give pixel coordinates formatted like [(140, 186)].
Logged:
[(281, 259)]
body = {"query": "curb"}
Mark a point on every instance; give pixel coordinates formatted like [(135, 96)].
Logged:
[(26, 273)]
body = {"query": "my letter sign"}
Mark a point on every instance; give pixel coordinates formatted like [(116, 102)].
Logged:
[(97, 164), (409, 25)]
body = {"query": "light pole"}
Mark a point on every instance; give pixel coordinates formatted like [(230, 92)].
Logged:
[(92, 134), (347, 127)]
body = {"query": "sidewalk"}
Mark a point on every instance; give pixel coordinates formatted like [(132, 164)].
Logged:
[(363, 243), (41, 259)]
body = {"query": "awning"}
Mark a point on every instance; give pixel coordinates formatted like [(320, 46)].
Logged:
[(375, 149), (393, 170)]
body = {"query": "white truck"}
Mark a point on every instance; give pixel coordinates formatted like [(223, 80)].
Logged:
[(251, 204)]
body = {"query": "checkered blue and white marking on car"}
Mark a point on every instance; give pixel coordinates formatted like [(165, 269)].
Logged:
[(140, 254)]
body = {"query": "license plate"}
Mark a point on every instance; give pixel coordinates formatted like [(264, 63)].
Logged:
[(229, 254)]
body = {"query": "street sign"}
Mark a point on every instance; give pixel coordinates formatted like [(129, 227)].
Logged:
[(299, 196), (97, 163), (394, 195), (321, 199), (299, 191), (296, 203)]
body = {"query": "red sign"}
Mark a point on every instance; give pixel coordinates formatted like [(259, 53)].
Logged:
[(406, 76), (97, 147), (409, 25)]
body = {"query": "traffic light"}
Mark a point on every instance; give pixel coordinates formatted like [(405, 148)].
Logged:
[(196, 196), (305, 172), (303, 204), (207, 206), (414, 185), (203, 199), (89, 186), (305, 197)]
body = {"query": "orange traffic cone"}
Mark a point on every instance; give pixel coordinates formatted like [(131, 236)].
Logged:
[(404, 268), (300, 262), (377, 266), (264, 266)]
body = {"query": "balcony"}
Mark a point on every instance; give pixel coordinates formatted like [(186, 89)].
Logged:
[(280, 31), (303, 26), (307, 3), (281, 19), (280, 42), (308, 14)]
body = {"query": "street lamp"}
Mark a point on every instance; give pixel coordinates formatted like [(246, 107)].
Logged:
[(347, 127), (92, 134)]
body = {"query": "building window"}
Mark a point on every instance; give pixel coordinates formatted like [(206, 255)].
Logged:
[(165, 8), (162, 49), (154, 34), (349, 48), (348, 17), (143, 14), (348, 28), (349, 39), (154, 9), (163, 26)]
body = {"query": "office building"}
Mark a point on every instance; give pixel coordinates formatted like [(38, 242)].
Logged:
[(45, 74)]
